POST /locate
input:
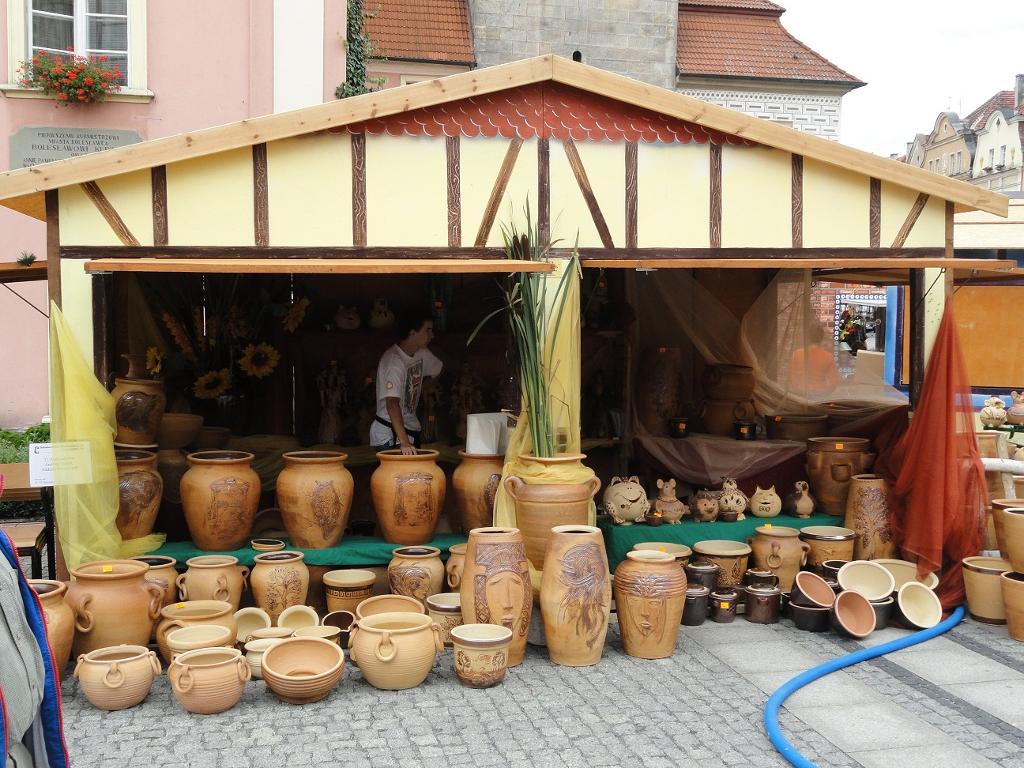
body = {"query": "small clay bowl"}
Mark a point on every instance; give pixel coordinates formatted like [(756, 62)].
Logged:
[(917, 607), (809, 589), (371, 606), (302, 670), (852, 615), (267, 545), (297, 616), (867, 577), (809, 618), (198, 636), (248, 620), (728, 516), (830, 568), (272, 633), (343, 620), (883, 611)]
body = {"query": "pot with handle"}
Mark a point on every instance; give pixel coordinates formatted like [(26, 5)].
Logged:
[(395, 651), (113, 604), (780, 550)]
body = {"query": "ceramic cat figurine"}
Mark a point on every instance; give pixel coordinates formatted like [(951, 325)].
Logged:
[(799, 503), (671, 508), (732, 500), (625, 501), (765, 502)]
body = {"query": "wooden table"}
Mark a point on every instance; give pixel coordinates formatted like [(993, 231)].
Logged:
[(29, 536)]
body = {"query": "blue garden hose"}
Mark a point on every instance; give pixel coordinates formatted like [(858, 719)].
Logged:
[(771, 709)]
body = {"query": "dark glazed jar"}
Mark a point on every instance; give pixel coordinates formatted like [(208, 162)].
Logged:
[(723, 606), (696, 608), (763, 603), (705, 574)]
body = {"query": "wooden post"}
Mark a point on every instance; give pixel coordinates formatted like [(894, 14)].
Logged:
[(917, 289), (102, 326), (52, 247)]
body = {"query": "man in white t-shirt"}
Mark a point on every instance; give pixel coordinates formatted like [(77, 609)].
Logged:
[(400, 375)]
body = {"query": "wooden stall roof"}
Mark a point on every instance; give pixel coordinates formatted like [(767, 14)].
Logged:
[(846, 266), (12, 272), (316, 266), (22, 189), (962, 275)]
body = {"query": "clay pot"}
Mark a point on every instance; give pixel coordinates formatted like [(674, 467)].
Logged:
[(279, 580), (798, 427), (763, 604), (657, 390), (811, 590), (481, 654), (408, 494), (719, 415), (220, 494), (867, 514), (60, 619), (870, 579), (247, 621), (1012, 584), (302, 670), (726, 381), (883, 611), (296, 617), (163, 571), (999, 507), (730, 556), (917, 607), (347, 588), (172, 464), (496, 587), (984, 593), (831, 464), (138, 407), (723, 606), (190, 614), (649, 592), (113, 604), (695, 610), (903, 571), (372, 606), (475, 482), (576, 595), (209, 680), (779, 549), (139, 488), (680, 552), (445, 610), (266, 545), (1013, 534), (211, 439), (178, 430), (186, 639), (118, 677), (254, 650), (827, 542), (416, 572), (213, 577), (830, 569), (703, 574), (271, 633), (540, 507), (852, 615), (810, 618), (453, 568), (314, 492), (394, 651), (330, 634)]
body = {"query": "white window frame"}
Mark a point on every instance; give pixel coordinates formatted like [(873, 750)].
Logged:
[(1002, 155)]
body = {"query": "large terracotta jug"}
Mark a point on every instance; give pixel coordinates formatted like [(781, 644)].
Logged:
[(314, 493), (416, 572), (496, 585), (140, 488), (138, 407), (780, 550), (575, 595), (279, 580), (113, 604), (163, 571), (867, 514), (408, 494), (220, 494), (475, 483), (213, 577), (831, 464), (650, 591), (60, 619)]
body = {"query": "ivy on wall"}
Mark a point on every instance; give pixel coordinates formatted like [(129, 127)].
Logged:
[(359, 49)]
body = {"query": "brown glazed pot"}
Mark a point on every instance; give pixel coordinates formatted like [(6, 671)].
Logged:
[(810, 590), (852, 615), (163, 571), (139, 489), (763, 604), (220, 494), (416, 572), (475, 483), (408, 494), (117, 678), (209, 680), (831, 464), (867, 514), (799, 427), (213, 577), (113, 604), (827, 542), (718, 415), (1012, 584), (60, 619), (314, 493), (193, 613), (650, 591), (453, 568), (138, 407), (576, 595), (279, 580), (984, 590), (348, 587), (779, 549), (541, 506), (496, 586)]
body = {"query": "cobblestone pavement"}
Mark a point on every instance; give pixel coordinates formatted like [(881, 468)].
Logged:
[(956, 699)]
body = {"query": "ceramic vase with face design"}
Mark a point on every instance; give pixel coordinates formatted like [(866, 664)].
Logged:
[(496, 587), (650, 591)]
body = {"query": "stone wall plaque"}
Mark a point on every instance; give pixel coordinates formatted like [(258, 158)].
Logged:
[(32, 145)]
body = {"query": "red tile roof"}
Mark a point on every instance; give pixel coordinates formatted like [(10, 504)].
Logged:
[(420, 30), (977, 119), (752, 5)]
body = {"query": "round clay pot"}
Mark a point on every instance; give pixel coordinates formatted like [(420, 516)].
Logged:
[(799, 427), (254, 650), (211, 439), (302, 670), (867, 514), (271, 633), (868, 578), (831, 464), (408, 495), (883, 611), (541, 506), (186, 639), (118, 677), (190, 614), (163, 570), (680, 552), (830, 569), (220, 494), (779, 549), (1012, 584), (178, 430), (917, 607), (445, 610), (213, 577), (314, 492), (827, 542), (296, 617), (999, 506), (903, 571), (481, 654), (730, 556), (984, 591), (372, 606), (475, 483), (209, 680), (279, 580), (704, 574), (1013, 534), (113, 604), (719, 415), (139, 488), (453, 568), (266, 545), (347, 588), (416, 572), (811, 590), (650, 591), (248, 620), (138, 407), (576, 595), (330, 634), (726, 381), (763, 604), (496, 587), (852, 615), (60, 619), (810, 618), (395, 651)]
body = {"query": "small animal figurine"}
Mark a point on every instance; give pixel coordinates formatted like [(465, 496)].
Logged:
[(347, 318), (671, 508), (704, 506), (732, 499), (765, 503), (381, 315), (799, 503), (625, 501), (994, 412), (1015, 413)]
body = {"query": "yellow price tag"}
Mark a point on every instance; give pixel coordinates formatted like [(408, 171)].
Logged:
[(179, 605), (108, 569), (767, 525), (743, 430), (839, 446), (724, 605), (662, 549)]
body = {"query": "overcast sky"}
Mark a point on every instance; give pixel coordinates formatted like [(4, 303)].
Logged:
[(918, 58)]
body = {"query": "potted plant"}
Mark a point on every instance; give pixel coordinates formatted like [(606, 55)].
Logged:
[(69, 78)]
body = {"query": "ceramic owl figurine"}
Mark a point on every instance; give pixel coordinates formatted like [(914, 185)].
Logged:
[(732, 499), (625, 501), (671, 508), (765, 502), (799, 503)]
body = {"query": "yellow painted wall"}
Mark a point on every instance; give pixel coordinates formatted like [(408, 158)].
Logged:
[(756, 197), (480, 160), (210, 200), (930, 229), (76, 303), (837, 207), (406, 191), (605, 164), (673, 192), (309, 179)]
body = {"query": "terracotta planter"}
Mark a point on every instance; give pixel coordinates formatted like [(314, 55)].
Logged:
[(576, 595), (372, 606), (718, 415), (195, 638), (296, 617), (118, 677), (279, 580), (314, 492), (394, 651), (178, 430), (867, 514), (453, 568), (213, 577), (302, 670), (60, 619), (984, 590), (113, 604), (347, 588), (650, 591), (445, 610), (139, 488), (831, 464), (475, 483), (869, 579), (163, 571), (917, 607), (1013, 535), (220, 494), (191, 614), (779, 549), (999, 506), (730, 557), (852, 615), (496, 586), (408, 495), (210, 680), (827, 542), (416, 572), (799, 427), (1012, 584), (540, 507), (138, 407), (812, 591), (254, 650), (481, 654), (726, 381)]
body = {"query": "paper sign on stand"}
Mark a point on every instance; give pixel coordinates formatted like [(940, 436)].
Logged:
[(52, 464), (486, 433)]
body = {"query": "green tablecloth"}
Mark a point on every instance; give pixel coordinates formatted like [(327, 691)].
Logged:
[(350, 551), (619, 539)]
